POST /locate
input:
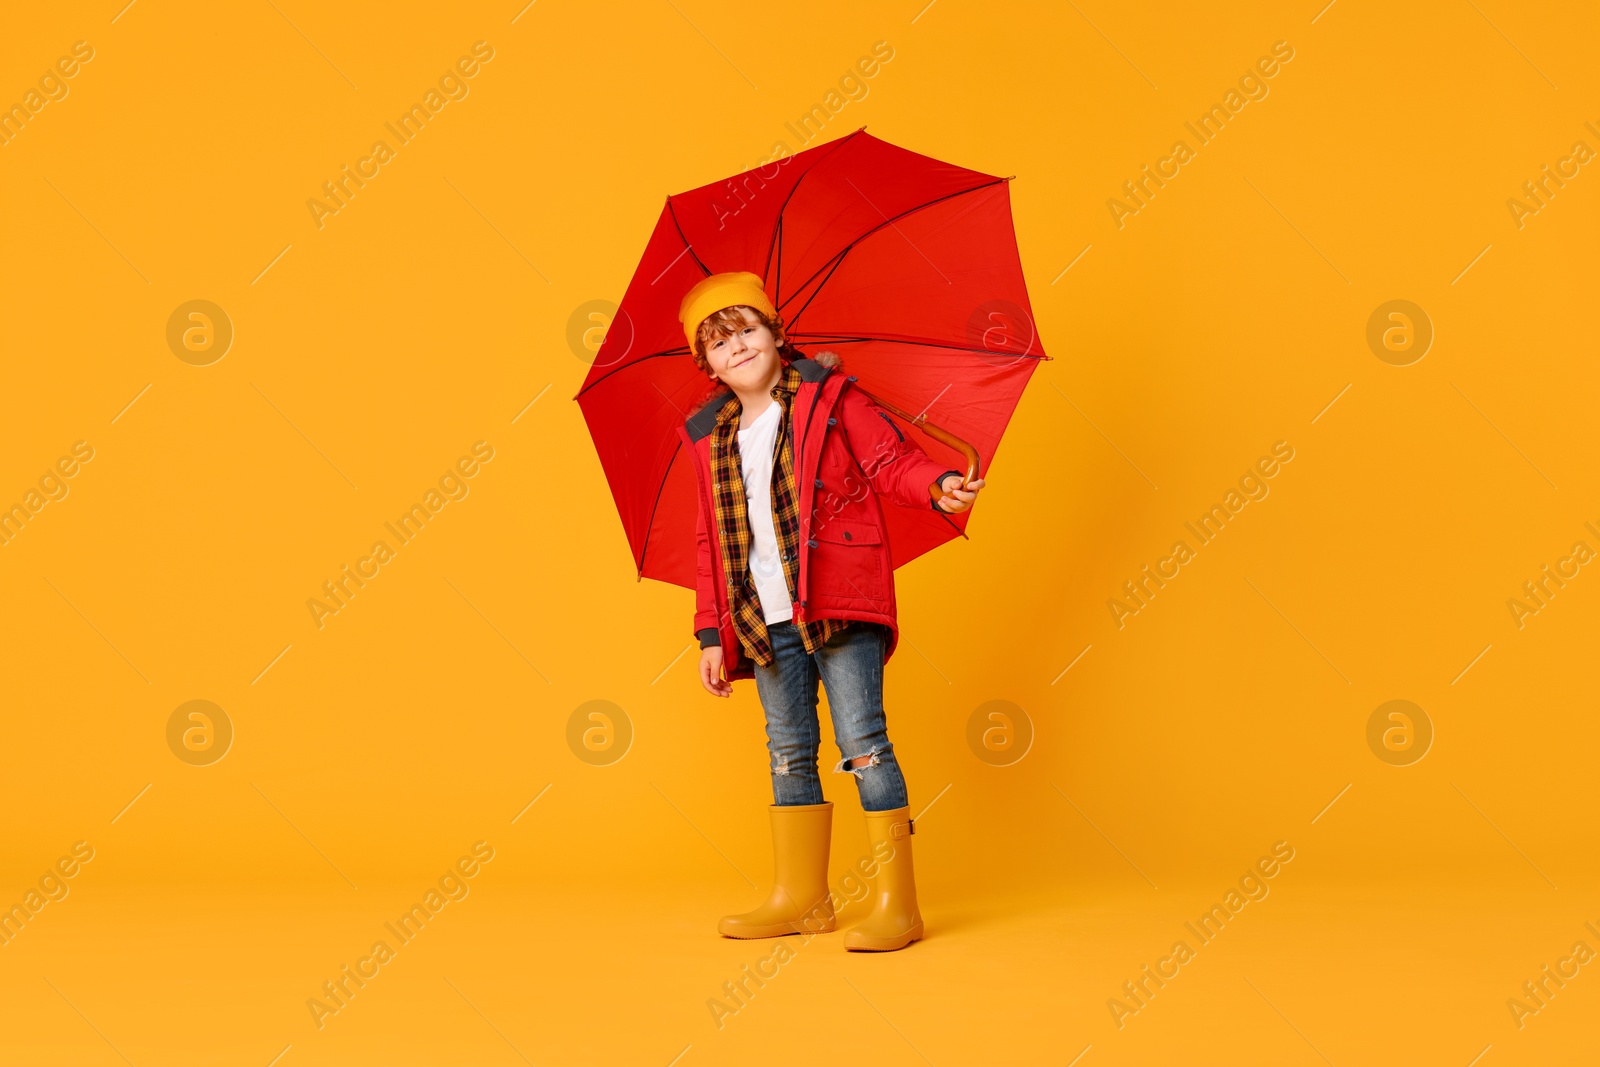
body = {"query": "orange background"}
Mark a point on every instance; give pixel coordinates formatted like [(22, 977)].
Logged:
[(435, 310)]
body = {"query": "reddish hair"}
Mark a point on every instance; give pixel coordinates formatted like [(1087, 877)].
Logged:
[(723, 323)]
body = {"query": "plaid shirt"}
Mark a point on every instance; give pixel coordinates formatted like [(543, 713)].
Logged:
[(733, 525)]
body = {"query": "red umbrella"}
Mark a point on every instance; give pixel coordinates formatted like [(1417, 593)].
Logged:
[(904, 265)]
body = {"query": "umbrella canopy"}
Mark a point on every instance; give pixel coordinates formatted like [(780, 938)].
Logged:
[(904, 265)]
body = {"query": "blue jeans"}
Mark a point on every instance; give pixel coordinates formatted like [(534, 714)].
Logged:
[(850, 667)]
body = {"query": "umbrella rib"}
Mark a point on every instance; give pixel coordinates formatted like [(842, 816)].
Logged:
[(776, 247), (661, 489), (778, 229), (819, 338), (839, 256), (945, 515), (825, 338), (774, 255), (775, 243), (837, 263), (680, 351), (673, 211), (655, 506)]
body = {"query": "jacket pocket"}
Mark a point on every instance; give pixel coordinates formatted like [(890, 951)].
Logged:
[(847, 560)]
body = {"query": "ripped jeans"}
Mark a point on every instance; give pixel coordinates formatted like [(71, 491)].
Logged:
[(850, 667)]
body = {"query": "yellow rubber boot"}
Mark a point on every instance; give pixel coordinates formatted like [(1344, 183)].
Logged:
[(799, 902), (894, 921)]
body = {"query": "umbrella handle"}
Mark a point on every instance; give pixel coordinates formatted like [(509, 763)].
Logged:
[(943, 436)]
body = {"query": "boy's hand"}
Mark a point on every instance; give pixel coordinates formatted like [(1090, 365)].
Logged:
[(958, 497), (711, 672)]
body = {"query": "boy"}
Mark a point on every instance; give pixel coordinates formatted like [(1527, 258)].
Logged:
[(795, 584)]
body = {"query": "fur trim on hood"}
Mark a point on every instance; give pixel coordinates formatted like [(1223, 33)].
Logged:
[(831, 360)]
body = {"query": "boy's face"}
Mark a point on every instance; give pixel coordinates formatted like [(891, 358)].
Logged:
[(747, 359)]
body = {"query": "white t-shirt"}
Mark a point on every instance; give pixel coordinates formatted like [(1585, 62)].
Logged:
[(757, 443)]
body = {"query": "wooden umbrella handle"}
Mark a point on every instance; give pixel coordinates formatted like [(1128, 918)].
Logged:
[(939, 434)]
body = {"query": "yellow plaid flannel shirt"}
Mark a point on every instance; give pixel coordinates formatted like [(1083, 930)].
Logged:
[(733, 525)]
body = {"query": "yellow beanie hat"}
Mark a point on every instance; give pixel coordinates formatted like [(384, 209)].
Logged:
[(711, 295)]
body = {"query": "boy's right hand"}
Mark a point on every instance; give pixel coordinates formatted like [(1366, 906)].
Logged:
[(711, 672)]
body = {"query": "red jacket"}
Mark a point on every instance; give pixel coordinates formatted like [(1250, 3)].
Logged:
[(847, 455)]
